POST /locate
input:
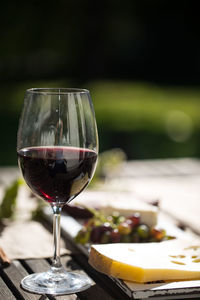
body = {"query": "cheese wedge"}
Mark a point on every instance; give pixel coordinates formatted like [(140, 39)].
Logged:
[(147, 262), (124, 203)]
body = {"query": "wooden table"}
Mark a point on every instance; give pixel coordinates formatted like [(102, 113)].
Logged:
[(173, 182), (12, 275)]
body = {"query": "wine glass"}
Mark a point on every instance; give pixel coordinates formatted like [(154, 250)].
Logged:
[(57, 146)]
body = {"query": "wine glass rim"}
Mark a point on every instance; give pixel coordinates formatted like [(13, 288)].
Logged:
[(57, 91)]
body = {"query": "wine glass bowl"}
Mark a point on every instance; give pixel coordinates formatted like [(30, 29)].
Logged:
[(57, 146)]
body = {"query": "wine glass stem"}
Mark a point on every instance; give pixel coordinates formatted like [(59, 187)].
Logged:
[(56, 236)]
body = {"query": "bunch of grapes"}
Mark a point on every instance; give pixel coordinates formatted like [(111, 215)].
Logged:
[(118, 229)]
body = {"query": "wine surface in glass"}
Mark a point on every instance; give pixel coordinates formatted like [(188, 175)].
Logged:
[(57, 173)]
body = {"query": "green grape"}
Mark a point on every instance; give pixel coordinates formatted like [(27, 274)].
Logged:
[(83, 236), (143, 231)]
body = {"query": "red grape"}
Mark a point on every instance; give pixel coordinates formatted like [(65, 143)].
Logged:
[(135, 218)]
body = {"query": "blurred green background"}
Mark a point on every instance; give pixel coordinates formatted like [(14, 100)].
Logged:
[(140, 60)]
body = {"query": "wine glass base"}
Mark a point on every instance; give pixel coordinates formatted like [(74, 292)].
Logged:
[(59, 284)]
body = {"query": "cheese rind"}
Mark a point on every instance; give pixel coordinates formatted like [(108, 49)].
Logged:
[(169, 260)]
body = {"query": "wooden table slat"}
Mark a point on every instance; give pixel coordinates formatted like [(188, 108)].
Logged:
[(36, 265), (13, 275), (5, 293), (42, 265)]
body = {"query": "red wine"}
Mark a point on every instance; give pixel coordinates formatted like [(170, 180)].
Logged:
[(57, 174)]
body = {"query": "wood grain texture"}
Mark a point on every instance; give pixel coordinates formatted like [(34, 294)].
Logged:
[(5, 293), (12, 275)]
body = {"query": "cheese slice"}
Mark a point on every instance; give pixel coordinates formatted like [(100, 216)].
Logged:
[(147, 262), (124, 203)]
